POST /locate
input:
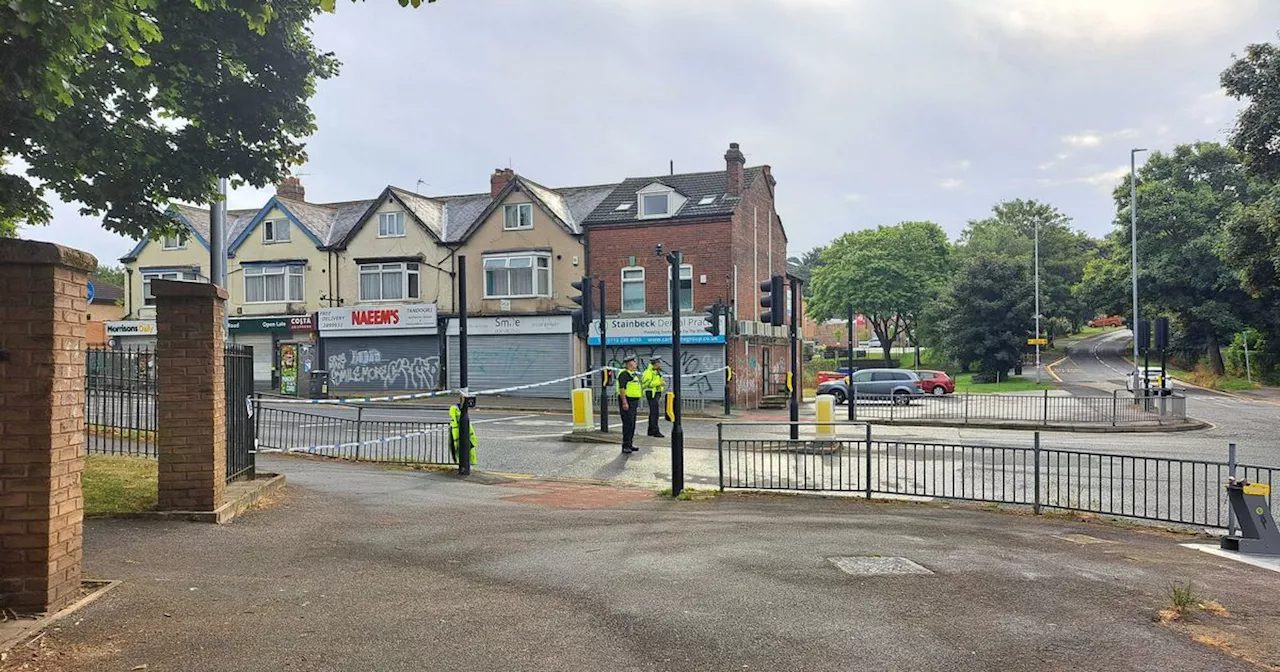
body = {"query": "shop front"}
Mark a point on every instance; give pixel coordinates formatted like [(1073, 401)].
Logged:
[(650, 336), (381, 348), (513, 350), (269, 336), (131, 334)]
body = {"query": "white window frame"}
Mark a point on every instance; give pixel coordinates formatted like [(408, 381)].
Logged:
[(287, 272), (521, 210), (191, 275), (683, 268), (272, 228), (534, 259), (644, 213), (179, 242), (391, 224), (405, 269), (624, 281)]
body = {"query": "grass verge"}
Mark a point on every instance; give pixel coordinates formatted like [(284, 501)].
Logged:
[(964, 383), (119, 484)]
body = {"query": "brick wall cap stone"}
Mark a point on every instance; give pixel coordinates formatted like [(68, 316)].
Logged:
[(36, 253), (161, 288)]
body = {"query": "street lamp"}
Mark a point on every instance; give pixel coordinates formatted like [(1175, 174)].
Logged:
[(1037, 255), (1133, 253)]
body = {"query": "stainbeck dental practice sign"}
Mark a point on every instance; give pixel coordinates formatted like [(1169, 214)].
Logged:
[(412, 319)]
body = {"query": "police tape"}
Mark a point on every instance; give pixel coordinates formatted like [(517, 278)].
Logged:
[(386, 442), (459, 391)]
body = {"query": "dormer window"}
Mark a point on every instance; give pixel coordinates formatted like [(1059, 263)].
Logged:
[(655, 205), (658, 201)]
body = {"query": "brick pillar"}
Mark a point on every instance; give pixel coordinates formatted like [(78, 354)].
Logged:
[(43, 291), (192, 400)]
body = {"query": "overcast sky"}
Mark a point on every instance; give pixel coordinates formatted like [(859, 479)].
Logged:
[(870, 112)]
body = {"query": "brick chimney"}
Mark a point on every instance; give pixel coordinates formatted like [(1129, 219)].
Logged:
[(292, 188), (499, 180), (733, 163)]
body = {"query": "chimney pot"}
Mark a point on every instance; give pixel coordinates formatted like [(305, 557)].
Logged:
[(499, 180), (292, 188)]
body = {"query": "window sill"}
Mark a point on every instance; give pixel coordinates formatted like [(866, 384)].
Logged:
[(517, 228), (397, 235), (408, 300), (526, 296), (270, 303)]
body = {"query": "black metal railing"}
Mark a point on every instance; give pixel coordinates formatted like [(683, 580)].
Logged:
[(238, 382), (346, 432), (1172, 490), (120, 401), (1117, 409)]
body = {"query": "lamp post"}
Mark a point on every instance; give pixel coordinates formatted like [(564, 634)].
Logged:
[(1037, 262), (1133, 254)]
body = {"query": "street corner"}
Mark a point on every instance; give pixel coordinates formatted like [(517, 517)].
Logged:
[(571, 495)]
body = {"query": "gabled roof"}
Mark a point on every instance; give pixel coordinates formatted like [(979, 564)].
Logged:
[(104, 292), (693, 186), (324, 224), (568, 206), (196, 220)]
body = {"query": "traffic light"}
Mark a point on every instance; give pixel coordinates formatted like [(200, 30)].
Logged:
[(582, 316), (1162, 333), (775, 299), (713, 319), (1144, 335)]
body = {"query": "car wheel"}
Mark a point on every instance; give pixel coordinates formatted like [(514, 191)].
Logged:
[(839, 395), (939, 390), (901, 399)]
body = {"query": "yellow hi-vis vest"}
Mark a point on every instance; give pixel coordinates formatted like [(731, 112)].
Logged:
[(652, 381), (632, 390), (455, 416)]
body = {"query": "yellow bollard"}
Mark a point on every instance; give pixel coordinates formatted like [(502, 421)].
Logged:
[(826, 413), (583, 409), (671, 407)]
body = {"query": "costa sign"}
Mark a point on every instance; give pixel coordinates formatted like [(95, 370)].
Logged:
[(403, 319)]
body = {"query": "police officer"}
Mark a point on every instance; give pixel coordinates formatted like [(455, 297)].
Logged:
[(629, 393), (455, 416), (654, 388)]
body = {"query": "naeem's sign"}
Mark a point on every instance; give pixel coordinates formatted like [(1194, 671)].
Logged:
[(408, 319)]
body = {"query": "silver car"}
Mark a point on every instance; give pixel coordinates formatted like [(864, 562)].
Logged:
[(896, 385)]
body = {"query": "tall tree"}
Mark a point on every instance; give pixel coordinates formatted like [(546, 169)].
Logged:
[(888, 274), (1010, 234), (112, 274), (1185, 198), (807, 262), (125, 105), (1255, 79), (986, 315)]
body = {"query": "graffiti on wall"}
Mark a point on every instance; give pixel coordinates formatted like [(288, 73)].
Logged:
[(690, 364), (367, 368)]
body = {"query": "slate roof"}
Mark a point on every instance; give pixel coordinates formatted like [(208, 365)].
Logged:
[(693, 186), (105, 292)]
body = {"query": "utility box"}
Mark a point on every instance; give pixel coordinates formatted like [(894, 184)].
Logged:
[(583, 415)]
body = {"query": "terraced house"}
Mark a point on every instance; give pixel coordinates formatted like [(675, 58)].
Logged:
[(366, 291)]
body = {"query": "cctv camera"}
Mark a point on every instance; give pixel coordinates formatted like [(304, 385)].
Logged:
[(657, 250)]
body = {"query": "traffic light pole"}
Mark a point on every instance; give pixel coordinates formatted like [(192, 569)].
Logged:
[(797, 381), (849, 389), (728, 372), (464, 421), (604, 362), (677, 430)]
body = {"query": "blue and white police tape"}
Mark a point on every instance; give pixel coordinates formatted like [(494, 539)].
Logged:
[(459, 391), (387, 443)]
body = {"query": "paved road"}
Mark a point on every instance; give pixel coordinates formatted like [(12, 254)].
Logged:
[(361, 568), (1098, 363)]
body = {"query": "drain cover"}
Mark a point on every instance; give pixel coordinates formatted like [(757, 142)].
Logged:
[(859, 565)]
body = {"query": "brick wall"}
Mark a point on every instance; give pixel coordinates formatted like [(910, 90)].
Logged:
[(192, 409), (43, 288), (703, 245)]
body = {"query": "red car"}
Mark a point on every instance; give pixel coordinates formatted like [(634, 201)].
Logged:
[(1107, 321), (936, 382)]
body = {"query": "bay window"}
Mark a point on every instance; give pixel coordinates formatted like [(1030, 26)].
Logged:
[(189, 275)]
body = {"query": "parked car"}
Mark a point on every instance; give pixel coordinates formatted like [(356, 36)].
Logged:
[(1107, 321), (937, 383), (896, 385), (839, 374), (873, 344)]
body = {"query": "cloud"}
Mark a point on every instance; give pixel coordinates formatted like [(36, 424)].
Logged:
[(951, 183), (965, 165), (854, 198), (1104, 179), (1065, 24), (1086, 139)]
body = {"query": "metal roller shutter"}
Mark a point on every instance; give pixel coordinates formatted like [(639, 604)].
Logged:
[(383, 364), (263, 356), (503, 361), (696, 358)]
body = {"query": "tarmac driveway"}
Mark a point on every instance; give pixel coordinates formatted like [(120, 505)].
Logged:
[(363, 568)]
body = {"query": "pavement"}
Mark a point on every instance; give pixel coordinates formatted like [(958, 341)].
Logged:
[(362, 568)]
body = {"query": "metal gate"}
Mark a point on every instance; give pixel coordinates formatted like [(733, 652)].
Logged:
[(120, 401), (238, 362)]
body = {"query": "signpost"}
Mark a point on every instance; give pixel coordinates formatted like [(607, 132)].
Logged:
[(1037, 341), (90, 299)]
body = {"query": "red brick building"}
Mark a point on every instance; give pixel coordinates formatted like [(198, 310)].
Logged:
[(726, 226)]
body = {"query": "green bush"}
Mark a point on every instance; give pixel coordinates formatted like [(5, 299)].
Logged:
[(1261, 360)]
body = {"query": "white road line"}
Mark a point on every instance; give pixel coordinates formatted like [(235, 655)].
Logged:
[(514, 417), (309, 425)]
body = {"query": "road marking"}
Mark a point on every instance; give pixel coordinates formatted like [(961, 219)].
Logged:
[(522, 437), (514, 417), (334, 423), (1049, 368)]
